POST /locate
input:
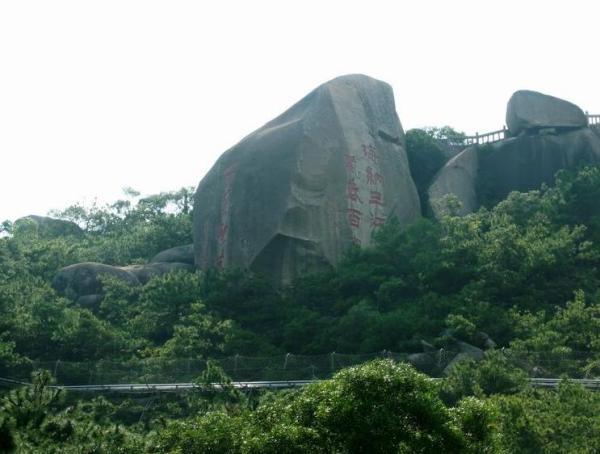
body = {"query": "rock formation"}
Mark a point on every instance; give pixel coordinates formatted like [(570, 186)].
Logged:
[(144, 273), (529, 111), (294, 195), (82, 282), (485, 174), (47, 226), (81, 279), (179, 254)]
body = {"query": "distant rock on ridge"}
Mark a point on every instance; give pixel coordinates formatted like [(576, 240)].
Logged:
[(47, 226), (294, 195)]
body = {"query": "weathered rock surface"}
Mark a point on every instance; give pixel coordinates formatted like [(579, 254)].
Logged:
[(529, 110), (456, 179), (295, 194), (47, 226), (144, 273), (75, 281), (179, 254), (487, 174), (429, 363)]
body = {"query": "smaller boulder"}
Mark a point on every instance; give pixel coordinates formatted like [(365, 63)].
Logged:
[(531, 111), (75, 281), (424, 362), (179, 254), (484, 341), (470, 350), (47, 226), (144, 273), (459, 358)]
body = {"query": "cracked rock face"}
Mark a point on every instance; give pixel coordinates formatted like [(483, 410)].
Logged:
[(294, 195)]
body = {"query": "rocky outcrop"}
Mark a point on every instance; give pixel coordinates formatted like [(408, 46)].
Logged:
[(179, 254), (458, 178), (298, 192), (47, 226), (484, 175), (82, 282), (144, 273), (81, 279), (529, 111), (552, 135)]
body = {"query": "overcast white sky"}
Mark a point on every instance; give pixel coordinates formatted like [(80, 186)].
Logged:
[(99, 95)]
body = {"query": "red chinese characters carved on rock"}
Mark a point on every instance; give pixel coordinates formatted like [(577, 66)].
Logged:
[(350, 161), (223, 230), (222, 234), (373, 178), (370, 152), (221, 259), (376, 198), (354, 217), (352, 192)]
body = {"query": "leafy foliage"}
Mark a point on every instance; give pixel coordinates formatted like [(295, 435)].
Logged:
[(524, 271), (379, 407)]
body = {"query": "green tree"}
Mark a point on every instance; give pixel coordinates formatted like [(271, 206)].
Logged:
[(551, 422), (379, 407), (494, 374)]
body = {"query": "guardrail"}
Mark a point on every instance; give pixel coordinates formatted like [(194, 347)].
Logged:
[(488, 137), (274, 371), (552, 383), (501, 134), (593, 120)]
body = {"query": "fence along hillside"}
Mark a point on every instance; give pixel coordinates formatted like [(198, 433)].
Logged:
[(291, 367)]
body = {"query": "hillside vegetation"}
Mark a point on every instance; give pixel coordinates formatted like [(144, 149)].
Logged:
[(524, 272)]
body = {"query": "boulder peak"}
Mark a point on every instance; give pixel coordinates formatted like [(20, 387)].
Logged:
[(292, 196), (529, 110)]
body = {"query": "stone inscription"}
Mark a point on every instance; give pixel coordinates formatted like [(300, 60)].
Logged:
[(365, 210)]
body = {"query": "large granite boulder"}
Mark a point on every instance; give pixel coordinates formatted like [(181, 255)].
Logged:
[(179, 254), (144, 273), (81, 279), (484, 175), (47, 226), (531, 111), (294, 195)]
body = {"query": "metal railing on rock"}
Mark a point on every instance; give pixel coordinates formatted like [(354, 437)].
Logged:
[(459, 143), (593, 120)]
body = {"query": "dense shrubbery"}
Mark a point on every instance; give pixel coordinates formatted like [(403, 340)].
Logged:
[(525, 272), (380, 407)]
